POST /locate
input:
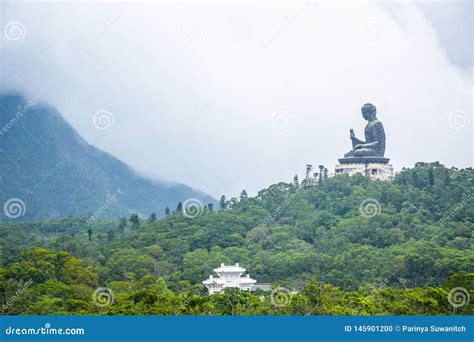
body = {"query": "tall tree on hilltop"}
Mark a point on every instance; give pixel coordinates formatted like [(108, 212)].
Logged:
[(233, 201), (122, 224), (135, 221), (321, 171), (296, 182), (431, 179), (152, 218), (307, 180), (223, 203), (309, 168)]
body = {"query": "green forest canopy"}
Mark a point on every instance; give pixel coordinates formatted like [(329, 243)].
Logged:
[(308, 238)]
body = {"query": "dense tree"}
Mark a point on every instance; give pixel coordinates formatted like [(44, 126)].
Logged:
[(321, 173), (152, 218), (135, 221), (122, 224), (110, 235), (89, 233), (223, 203), (431, 176), (317, 241), (307, 180), (296, 182)]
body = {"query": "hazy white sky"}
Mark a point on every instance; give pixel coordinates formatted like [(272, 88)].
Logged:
[(225, 97)]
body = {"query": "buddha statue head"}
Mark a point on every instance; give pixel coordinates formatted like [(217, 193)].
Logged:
[(369, 111)]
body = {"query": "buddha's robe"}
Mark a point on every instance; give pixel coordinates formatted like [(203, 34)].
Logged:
[(374, 141)]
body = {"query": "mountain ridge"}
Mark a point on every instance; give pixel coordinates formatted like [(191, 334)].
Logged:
[(55, 172)]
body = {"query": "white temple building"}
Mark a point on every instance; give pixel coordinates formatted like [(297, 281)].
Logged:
[(229, 276)]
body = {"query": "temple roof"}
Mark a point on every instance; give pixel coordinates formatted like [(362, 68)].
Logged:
[(247, 280), (212, 280), (229, 268)]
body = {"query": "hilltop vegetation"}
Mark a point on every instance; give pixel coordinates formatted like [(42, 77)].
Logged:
[(348, 245)]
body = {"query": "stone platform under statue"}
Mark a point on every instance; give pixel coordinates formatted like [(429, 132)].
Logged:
[(364, 160), (374, 167), (367, 156)]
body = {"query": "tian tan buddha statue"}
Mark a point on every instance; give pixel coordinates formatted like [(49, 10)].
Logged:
[(374, 144)]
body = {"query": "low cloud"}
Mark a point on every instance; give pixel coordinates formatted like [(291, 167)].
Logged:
[(226, 97)]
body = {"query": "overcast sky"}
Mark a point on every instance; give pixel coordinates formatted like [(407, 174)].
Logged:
[(225, 97)]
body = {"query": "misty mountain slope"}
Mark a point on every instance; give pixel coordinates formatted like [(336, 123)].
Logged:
[(55, 172)]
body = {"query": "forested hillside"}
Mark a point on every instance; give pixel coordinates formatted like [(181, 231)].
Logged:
[(347, 245), (51, 171)]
